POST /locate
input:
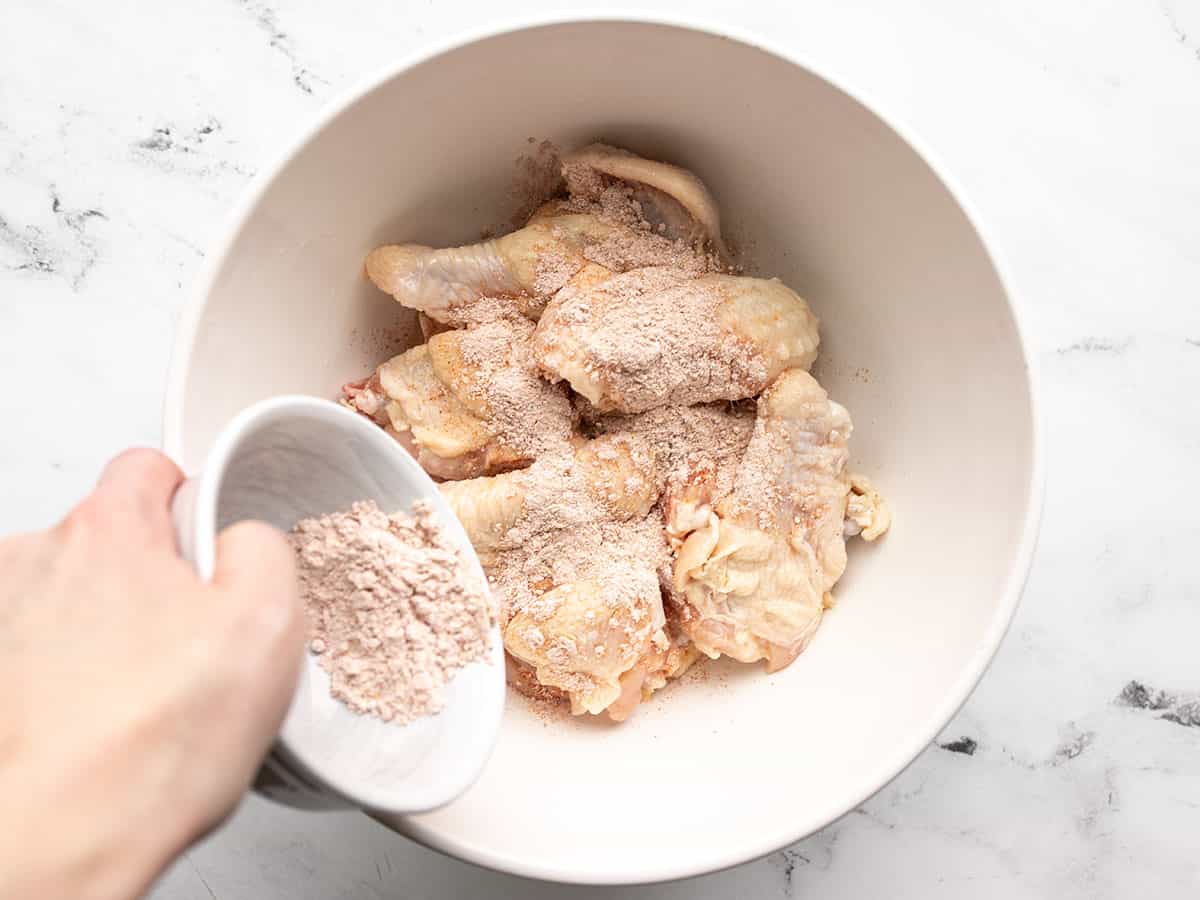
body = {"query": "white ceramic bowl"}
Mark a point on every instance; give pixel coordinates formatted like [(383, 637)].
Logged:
[(919, 340)]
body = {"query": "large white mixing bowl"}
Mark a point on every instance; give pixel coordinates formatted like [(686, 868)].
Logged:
[(919, 340)]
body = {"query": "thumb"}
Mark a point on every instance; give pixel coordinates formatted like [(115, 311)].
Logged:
[(256, 576), (254, 555), (253, 606)]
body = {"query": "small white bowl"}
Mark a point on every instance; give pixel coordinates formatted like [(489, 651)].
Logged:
[(919, 341), (290, 458)]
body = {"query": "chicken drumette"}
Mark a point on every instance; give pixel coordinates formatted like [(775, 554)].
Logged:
[(564, 543), (467, 402)]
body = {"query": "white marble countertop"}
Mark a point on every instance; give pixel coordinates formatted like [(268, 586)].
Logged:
[(128, 128)]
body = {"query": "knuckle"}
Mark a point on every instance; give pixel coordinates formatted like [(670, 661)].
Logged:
[(92, 515), (139, 458), (141, 466), (136, 487)]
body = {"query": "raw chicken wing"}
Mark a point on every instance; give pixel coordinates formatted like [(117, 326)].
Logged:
[(673, 200), (465, 411), (516, 274), (755, 577), (586, 617), (653, 337)]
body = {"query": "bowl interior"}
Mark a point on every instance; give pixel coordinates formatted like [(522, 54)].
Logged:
[(919, 342)]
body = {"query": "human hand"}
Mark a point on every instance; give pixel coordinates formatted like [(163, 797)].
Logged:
[(137, 700)]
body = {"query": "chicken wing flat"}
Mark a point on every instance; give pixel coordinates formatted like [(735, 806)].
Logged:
[(756, 576), (654, 337)]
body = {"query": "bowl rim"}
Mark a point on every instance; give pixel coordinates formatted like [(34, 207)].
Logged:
[(759, 844)]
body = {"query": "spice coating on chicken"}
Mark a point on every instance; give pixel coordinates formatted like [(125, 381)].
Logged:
[(628, 432), (654, 337), (757, 574), (581, 600)]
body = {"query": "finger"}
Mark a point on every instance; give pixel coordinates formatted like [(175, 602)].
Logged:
[(131, 501), (256, 572), (253, 555), (142, 472), (140, 483)]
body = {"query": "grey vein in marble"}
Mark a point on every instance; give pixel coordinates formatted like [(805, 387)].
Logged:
[(200, 875), (268, 22), (77, 223), (30, 246), (1181, 710), (965, 745), (1172, 15), (1074, 746), (37, 253), (1096, 345), (787, 860), (172, 147)]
